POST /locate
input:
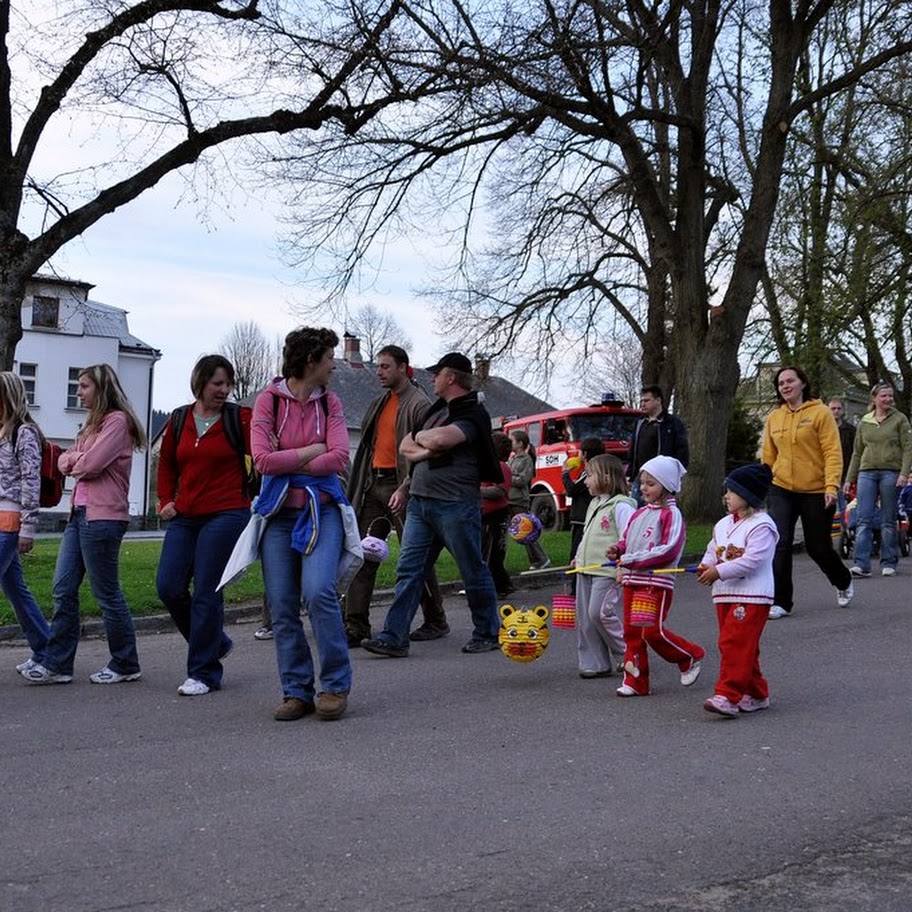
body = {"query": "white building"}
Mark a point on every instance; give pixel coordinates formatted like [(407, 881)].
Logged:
[(63, 332)]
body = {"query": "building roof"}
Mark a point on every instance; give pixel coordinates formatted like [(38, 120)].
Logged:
[(357, 386), (111, 323)]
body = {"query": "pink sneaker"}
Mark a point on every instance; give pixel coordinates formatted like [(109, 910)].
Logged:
[(721, 705), (748, 704)]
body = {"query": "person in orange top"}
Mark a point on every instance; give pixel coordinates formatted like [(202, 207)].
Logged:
[(802, 447), (379, 472)]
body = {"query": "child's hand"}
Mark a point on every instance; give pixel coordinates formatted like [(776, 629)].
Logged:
[(612, 553), (707, 575)]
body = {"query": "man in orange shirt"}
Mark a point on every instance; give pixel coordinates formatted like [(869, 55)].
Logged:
[(377, 473)]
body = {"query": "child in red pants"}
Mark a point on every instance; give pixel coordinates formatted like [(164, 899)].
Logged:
[(738, 564), (653, 540)]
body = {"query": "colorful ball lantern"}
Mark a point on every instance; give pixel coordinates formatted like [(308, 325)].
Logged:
[(374, 545), (525, 528)]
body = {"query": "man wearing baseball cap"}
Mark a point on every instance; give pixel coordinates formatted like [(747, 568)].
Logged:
[(451, 452)]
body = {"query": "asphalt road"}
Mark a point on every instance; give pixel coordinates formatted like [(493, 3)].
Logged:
[(462, 782)]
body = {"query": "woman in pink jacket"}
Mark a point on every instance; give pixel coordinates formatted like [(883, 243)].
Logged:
[(299, 435), (100, 462)]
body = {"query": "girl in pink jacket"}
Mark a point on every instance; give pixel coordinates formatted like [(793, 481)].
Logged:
[(100, 462)]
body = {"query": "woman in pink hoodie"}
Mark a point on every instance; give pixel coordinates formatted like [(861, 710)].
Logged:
[(299, 438), (100, 462)]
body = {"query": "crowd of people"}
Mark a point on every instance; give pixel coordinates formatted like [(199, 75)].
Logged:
[(435, 473)]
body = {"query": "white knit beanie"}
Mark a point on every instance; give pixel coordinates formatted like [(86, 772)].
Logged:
[(666, 470)]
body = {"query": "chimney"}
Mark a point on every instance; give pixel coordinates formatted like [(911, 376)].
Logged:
[(482, 367), (351, 350)]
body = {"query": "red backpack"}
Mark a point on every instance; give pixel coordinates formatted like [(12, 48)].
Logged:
[(51, 476)]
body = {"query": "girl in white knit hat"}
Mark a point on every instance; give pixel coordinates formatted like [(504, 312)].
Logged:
[(653, 540)]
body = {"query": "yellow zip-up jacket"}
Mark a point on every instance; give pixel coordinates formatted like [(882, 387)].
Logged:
[(803, 449)]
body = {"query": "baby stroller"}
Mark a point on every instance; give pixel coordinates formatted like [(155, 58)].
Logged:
[(847, 539)]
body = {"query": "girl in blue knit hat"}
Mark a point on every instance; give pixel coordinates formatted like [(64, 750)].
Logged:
[(738, 564)]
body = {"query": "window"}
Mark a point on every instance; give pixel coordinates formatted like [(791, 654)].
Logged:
[(45, 311), (72, 387), (27, 373)]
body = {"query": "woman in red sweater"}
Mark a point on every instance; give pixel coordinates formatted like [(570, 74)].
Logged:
[(203, 494)]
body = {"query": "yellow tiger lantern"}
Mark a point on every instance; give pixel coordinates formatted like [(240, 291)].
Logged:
[(523, 632)]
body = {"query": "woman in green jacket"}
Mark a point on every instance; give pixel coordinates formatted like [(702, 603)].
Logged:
[(880, 463)]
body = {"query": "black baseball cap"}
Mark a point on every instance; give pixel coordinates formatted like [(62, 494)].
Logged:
[(452, 360)]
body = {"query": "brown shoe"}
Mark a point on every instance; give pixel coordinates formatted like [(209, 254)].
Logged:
[(293, 708), (331, 705)]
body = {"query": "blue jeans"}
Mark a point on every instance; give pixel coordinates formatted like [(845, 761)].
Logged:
[(292, 578), (430, 526), (196, 549), (31, 620), (871, 483), (93, 548)]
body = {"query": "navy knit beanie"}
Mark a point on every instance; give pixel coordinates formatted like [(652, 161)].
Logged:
[(752, 482)]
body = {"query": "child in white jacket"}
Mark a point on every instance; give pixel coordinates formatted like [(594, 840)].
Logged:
[(738, 564)]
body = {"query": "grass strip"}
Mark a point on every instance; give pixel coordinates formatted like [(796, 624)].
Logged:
[(139, 562)]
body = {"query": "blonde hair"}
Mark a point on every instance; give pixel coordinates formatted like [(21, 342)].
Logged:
[(14, 406), (608, 472), (110, 397)]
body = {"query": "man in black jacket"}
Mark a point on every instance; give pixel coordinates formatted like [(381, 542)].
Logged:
[(657, 434)]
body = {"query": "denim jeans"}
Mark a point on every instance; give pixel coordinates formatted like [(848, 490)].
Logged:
[(292, 578), (871, 484), (375, 506), (93, 548), (31, 620), (431, 525), (195, 550)]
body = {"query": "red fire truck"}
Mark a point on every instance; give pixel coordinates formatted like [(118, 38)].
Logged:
[(556, 437)]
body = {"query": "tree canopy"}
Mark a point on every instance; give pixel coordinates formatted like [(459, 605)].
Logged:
[(151, 87), (623, 157)]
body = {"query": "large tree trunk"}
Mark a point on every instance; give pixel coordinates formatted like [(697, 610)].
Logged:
[(15, 271)]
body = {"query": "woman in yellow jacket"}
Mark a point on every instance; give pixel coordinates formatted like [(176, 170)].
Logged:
[(801, 445)]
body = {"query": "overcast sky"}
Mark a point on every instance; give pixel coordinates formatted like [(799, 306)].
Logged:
[(184, 283), (186, 271)]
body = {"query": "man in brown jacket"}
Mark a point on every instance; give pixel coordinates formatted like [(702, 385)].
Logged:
[(378, 472)]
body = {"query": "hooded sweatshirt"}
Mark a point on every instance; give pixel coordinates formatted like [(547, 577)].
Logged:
[(276, 440), (803, 449)]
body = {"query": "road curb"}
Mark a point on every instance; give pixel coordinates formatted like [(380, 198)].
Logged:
[(249, 612)]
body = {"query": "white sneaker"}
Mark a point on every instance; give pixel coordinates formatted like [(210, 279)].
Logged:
[(38, 674), (26, 665), (625, 690), (263, 633), (776, 612), (690, 676), (860, 572), (193, 688), (721, 705), (109, 676), (888, 571), (749, 704), (844, 596)]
